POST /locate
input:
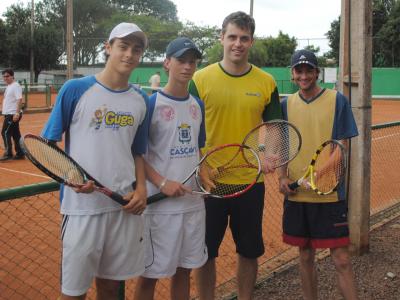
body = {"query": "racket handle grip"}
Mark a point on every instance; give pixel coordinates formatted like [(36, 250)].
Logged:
[(118, 198), (156, 198), (294, 185)]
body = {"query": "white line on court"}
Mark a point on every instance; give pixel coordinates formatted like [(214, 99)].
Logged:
[(385, 136), (26, 173)]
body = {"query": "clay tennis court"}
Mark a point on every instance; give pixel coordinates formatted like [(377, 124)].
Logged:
[(29, 244)]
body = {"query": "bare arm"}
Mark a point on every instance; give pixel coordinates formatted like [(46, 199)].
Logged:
[(137, 199)]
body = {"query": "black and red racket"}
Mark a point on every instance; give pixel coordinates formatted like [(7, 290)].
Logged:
[(57, 164), (224, 166)]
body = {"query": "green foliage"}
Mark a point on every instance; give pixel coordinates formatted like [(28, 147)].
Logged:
[(4, 45), (334, 40), (46, 44), (215, 53), (279, 50), (204, 37), (258, 53), (385, 38)]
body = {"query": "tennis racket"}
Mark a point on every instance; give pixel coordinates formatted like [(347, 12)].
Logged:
[(223, 165), (277, 142), (326, 170), (55, 163)]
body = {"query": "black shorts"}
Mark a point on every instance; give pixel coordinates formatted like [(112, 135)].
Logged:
[(315, 225), (244, 215)]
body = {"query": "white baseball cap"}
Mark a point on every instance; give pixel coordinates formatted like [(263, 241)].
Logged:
[(125, 29)]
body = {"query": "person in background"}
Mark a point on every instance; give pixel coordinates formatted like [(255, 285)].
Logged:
[(12, 112), (154, 81), (238, 96), (312, 221), (175, 227), (105, 123)]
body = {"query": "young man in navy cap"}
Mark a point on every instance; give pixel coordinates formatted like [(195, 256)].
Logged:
[(312, 221), (174, 227), (100, 238)]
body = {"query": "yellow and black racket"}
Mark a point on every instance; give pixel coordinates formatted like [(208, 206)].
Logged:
[(326, 170)]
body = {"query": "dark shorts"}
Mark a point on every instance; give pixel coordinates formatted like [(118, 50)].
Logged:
[(244, 215), (315, 225)]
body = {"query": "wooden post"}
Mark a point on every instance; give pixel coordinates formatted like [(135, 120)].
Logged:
[(70, 40), (355, 65)]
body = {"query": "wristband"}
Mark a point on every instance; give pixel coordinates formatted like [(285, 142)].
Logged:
[(162, 184)]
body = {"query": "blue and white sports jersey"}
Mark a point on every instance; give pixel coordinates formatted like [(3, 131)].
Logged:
[(176, 133), (103, 129)]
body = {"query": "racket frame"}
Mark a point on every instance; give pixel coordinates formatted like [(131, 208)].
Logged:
[(196, 171), (85, 175), (263, 147), (238, 193), (311, 171)]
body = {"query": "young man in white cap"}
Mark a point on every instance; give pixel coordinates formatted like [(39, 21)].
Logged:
[(174, 227), (312, 221), (105, 122)]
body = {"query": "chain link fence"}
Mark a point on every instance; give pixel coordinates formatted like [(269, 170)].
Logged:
[(30, 251)]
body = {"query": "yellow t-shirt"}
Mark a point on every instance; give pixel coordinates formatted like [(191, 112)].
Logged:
[(234, 104)]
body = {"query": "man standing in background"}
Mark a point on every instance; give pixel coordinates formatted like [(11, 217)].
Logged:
[(12, 103), (155, 82)]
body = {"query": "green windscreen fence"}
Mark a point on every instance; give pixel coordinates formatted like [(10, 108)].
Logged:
[(385, 81), (30, 247)]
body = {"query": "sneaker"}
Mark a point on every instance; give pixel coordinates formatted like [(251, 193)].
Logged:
[(6, 157), (19, 156)]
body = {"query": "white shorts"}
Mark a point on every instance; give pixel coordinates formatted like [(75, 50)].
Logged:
[(108, 246), (172, 241)]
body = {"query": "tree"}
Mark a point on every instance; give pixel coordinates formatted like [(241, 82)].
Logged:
[(266, 52), (46, 44), (333, 36), (386, 28), (160, 9), (258, 53), (215, 53), (94, 19), (387, 40), (279, 50), (4, 57), (204, 37)]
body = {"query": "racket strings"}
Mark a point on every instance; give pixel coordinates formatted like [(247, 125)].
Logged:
[(329, 168), (276, 142), (54, 161), (227, 166)]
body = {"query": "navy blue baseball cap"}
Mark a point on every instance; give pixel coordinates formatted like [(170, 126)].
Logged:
[(180, 45), (304, 57)]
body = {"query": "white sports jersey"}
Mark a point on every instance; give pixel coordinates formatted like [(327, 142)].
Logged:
[(12, 95), (175, 134), (102, 129)]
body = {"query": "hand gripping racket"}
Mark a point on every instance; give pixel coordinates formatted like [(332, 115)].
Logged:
[(221, 165), (277, 142), (326, 170), (55, 163)]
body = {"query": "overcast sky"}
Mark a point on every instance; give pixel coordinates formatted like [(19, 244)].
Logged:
[(306, 20)]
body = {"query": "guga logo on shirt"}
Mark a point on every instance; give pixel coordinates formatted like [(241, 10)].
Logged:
[(111, 119)]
